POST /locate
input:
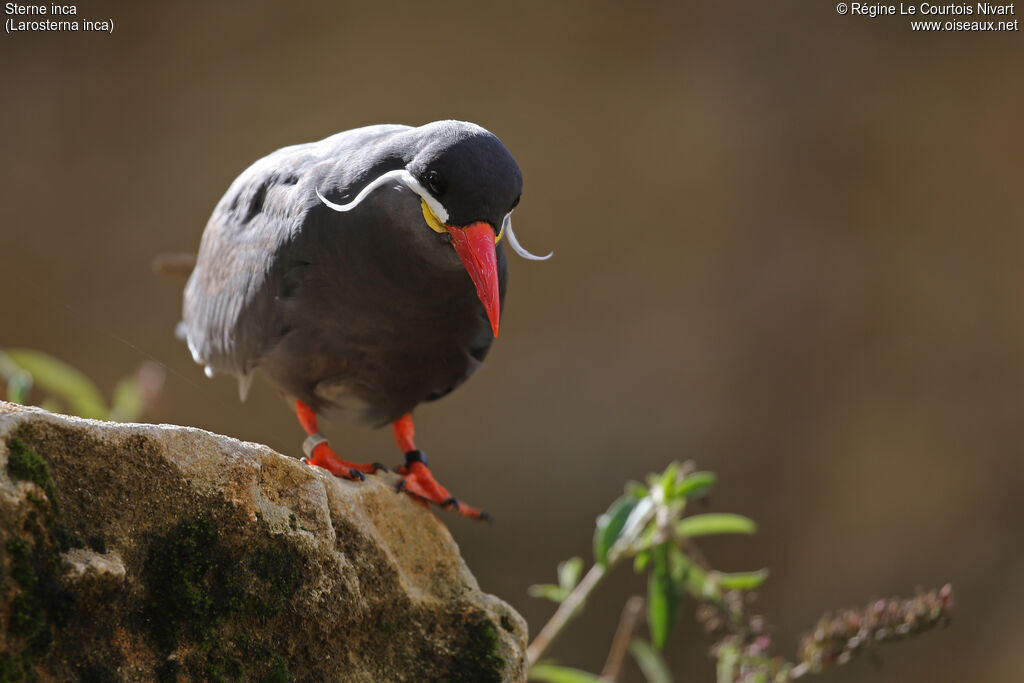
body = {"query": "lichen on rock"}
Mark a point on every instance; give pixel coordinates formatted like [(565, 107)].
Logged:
[(144, 552)]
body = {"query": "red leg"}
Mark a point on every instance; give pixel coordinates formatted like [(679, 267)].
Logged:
[(417, 479), (320, 453)]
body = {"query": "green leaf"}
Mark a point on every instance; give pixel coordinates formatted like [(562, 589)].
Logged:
[(715, 523), (663, 596), (128, 400), (543, 671), (678, 564), (640, 521), (18, 386), (694, 485), (668, 480), (547, 591), (57, 377), (568, 576), (569, 573), (741, 581), (642, 527), (19, 382), (642, 559), (635, 489), (697, 584), (610, 525), (650, 661)]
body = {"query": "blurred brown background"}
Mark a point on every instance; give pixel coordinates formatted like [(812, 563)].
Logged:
[(788, 244)]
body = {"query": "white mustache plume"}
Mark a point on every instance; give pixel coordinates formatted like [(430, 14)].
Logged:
[(409, 180)]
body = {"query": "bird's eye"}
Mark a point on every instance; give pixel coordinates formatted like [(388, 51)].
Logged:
[(434, 183), (516, 202)]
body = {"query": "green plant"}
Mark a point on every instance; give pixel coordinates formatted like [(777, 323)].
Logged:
[(648, 526), (63, 388)]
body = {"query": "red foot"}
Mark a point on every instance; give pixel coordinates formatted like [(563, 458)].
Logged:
[(417, 479), (322, 455)]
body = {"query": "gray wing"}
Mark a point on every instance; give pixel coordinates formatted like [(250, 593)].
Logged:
[(231, 316)]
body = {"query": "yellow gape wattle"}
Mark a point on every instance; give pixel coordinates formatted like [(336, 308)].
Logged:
[(439, 227), (428, 215)]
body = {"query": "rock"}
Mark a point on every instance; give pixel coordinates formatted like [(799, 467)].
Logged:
[(87, 569), (154, 552)]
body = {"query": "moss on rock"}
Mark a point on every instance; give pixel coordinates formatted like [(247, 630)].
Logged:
[(37, 604), (477, 658), (23, 463), (188, 576), (195, 580)]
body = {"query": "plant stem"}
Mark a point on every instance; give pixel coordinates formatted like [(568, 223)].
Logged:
[(620, 643), (564, 614)]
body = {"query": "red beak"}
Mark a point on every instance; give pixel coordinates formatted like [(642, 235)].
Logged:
[(475, 246)]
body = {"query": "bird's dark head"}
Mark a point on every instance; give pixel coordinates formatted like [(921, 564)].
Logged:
[(468, 171), (468, 184)]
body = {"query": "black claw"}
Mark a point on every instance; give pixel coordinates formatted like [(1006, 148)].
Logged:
[(450, 503), (357, 475), (400, 486), (377, 467), (485, 516)]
